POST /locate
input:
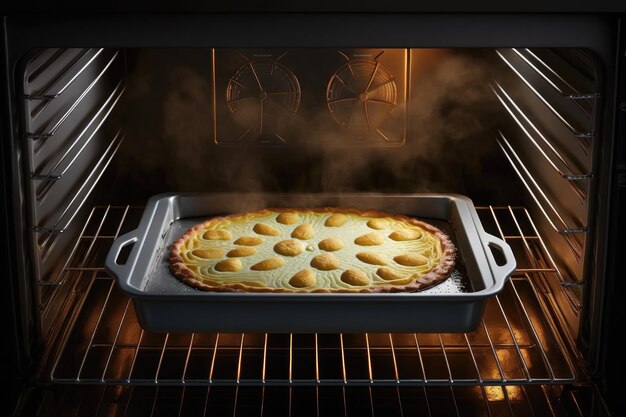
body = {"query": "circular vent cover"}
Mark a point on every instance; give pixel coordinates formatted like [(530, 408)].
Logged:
[(361, 95), (262, 97)]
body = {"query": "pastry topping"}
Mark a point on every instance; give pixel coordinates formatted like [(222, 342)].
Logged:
[(325, 262), (355, 277), (372, 258), (331, 244), (389, 274), (287, 218), (219, 234), (249, 241), (242, 251), (370, 239), (289, 247), (210, 253), (336, 220), (266, 229), (411, 260), (228, 265), (304, 278), (304, 232), (406, 234), (378, 224), (268, 264)]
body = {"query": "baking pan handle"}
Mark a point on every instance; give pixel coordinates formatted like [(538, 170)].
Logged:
[(120, 243), (500, 272)]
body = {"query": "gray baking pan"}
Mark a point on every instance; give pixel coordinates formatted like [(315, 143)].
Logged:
[(164, 304)]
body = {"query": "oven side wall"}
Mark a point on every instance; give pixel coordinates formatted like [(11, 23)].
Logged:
[(611, 361), (18, 315)]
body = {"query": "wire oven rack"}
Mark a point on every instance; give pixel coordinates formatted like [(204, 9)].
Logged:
[(116, 401), (516, 344)]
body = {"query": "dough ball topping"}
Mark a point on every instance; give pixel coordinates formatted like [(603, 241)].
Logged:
[(389, 274), (404, 235), (268, 264), (378, 224), (242, 251), (370, 239), (209, 253), (289, 247), (228, 265), (325, 262), (266, 229), (304, 232), (330, 244), (249, 241), (219, 234), (411, 260), (303, 279), (336, 220), (287, 218), (372, 258), (355, 277)]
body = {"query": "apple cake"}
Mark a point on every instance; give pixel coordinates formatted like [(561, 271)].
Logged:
[(323, 250)]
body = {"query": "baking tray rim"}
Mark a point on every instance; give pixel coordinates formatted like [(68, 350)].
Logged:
[(505, 271)]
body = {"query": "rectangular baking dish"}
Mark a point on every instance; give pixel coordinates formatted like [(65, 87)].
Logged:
[(164, 304)]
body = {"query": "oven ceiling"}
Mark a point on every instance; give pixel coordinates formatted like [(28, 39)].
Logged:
[(320, 6)]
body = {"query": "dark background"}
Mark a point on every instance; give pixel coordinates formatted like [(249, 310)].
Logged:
[(196, 6)]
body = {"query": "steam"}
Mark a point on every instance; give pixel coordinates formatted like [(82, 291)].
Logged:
[(451, 113)]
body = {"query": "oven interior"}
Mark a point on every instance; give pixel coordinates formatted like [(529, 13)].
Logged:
[(518, 130)]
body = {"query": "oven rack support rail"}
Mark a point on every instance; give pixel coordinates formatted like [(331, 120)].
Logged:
[(516, 344)]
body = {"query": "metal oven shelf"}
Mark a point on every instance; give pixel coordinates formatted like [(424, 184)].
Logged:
[(116, 401), (516, 344)]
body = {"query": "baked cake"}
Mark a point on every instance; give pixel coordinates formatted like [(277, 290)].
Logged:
[(323, 250)]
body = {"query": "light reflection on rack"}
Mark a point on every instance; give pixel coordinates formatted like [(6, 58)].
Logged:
[(572, 93), (51, 128), (576, 132), (567, 172), (534, 189), (67, 77)]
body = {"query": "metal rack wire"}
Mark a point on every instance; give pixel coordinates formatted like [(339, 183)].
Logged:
[(116, 401), (516, 344)]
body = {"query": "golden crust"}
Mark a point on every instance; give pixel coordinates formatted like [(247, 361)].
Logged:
[(437, 274)]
